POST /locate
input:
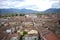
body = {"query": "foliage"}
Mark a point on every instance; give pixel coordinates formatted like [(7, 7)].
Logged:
[(16, 15), (24, 33), (11, 15), (22, 14)]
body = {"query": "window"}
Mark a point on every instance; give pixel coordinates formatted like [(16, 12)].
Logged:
[(14, 38), (35, 39), (59, 21)]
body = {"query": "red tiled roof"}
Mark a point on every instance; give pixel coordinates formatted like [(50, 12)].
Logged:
[(2, 35), (51, 36), (48, 35), (12, 35), (58, 36)]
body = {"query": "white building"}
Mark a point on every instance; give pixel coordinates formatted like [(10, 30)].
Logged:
[(14, 38), (32, 35)]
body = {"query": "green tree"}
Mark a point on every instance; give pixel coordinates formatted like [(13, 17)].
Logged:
[(24, 33), (22, 14), (16, 14)]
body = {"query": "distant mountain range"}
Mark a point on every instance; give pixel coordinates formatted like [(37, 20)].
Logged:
[(17, 11), (53, 10), (3, 11)]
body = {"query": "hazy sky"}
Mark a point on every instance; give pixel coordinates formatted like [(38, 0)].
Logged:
[(39, 5)]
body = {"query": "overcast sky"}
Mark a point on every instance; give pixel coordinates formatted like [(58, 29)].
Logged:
[(39, 5)]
